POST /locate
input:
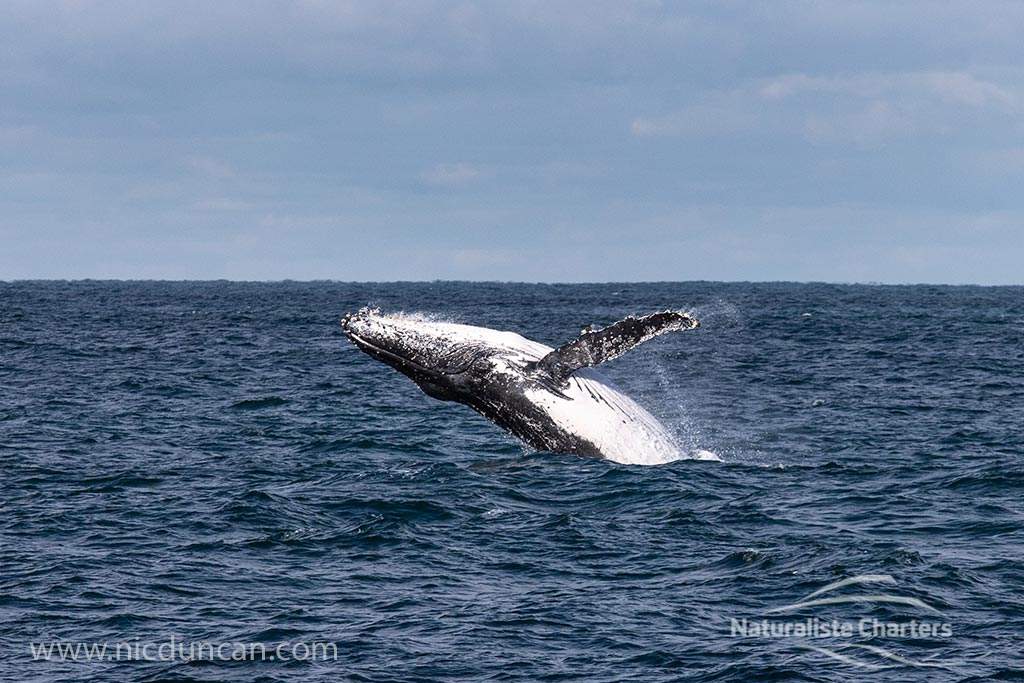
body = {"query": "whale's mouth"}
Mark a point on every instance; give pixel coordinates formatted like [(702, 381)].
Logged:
[(382, 354), (379, 352), (447, 364), (387, 356)]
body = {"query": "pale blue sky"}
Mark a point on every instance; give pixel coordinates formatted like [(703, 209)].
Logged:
[(535, 141)]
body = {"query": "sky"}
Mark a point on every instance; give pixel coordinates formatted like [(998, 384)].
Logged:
[(588, 140)]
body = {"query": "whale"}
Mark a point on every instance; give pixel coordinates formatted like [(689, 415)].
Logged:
[(552, 399)]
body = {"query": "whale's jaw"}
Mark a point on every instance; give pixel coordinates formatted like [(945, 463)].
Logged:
[(413, 349)]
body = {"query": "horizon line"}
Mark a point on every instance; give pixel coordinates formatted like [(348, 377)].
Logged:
[(866, 283)]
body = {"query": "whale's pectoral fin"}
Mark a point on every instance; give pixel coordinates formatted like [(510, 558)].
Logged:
[(597, 346)]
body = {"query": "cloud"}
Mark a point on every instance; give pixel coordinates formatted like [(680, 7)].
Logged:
[(209, 166), (869, 109), (963, 87), (864, 110), (223, 204), (960, 87), (864, 126), (718, 115), (367, 133), (458, 174)]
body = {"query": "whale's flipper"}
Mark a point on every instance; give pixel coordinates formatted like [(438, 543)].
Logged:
[(597, 346)]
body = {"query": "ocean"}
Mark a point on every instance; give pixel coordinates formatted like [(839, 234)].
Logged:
[(190, 465)]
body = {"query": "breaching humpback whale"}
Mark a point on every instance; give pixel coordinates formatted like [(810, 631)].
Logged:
[(552, 399)]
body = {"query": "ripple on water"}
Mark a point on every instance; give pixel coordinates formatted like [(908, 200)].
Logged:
[(213, 462)]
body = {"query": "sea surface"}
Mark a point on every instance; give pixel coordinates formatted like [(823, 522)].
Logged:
[(214, 462)]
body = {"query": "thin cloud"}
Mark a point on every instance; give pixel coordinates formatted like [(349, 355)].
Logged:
[(209, 166), (863, 110), (454, 175), (864, 126), (960, 87), (720, 115), (223, 204)]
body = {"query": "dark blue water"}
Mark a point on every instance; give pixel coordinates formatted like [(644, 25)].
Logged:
[(215, 462)]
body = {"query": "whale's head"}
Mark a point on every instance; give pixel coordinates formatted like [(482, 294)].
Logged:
[(446, 360)]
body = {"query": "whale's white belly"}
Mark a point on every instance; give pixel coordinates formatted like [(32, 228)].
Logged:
[(622, 430)]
